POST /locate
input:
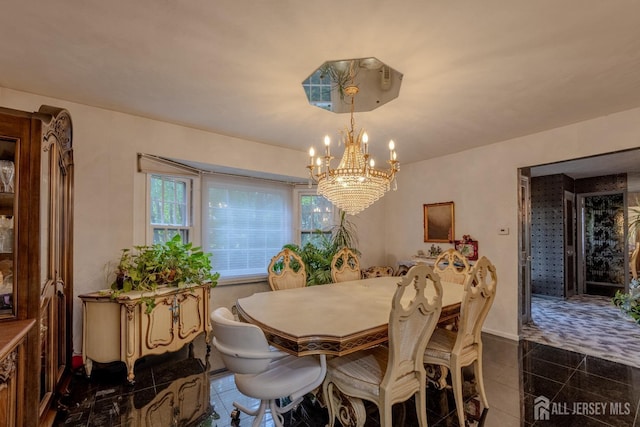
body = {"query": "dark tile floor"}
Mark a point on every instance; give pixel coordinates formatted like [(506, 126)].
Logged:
[(568, 388)]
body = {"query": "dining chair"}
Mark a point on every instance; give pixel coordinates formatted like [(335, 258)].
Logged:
[(286, 271), (263, 372), (452, 267), (457, 349), (377, 271), (345, 266), (388, 374)]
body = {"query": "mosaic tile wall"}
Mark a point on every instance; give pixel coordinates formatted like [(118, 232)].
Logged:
[(547, 225), (547, 230), (601, 183)]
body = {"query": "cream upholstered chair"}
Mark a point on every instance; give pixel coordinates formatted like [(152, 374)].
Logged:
[(389, 374), (262, 372), (456, 349), (377, 271), (345, 266), (452, 267), (286, 270)]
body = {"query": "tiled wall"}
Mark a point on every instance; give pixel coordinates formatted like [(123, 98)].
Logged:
[(601, 183), (547, 234), (547, 225)]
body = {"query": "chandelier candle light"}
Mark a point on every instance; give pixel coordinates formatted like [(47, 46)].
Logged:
[(355, 184)]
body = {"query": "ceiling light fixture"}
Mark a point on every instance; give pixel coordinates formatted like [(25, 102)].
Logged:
[(355, 184)]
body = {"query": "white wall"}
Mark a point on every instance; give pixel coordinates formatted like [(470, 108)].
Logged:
[(483, 184), (107, 187)]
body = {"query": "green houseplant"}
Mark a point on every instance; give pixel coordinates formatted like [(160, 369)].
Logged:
[(317, 256), (629, 303), (174, 263)]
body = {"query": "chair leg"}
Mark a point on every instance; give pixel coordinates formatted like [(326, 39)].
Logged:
[(421, 406), (276, 414), (456, 382), (477, 370), (386, 414), (327, 392), (258, 413)]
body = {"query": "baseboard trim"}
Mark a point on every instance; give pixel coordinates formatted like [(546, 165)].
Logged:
[(502, 334)]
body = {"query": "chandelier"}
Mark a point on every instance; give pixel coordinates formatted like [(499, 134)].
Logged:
[(355, 184)]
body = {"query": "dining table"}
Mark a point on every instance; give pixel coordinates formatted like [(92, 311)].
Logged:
[(334, 319), (338, 319)]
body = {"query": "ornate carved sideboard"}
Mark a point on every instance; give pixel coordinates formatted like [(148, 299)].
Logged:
[(128, 327)]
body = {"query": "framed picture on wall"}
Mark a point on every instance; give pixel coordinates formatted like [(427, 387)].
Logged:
[(439, 222)]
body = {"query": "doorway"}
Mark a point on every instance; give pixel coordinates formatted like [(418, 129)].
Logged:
[(623, 172), (570, 235)]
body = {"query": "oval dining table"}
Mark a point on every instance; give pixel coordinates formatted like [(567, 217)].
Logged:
[(333, 319), (337, 319)]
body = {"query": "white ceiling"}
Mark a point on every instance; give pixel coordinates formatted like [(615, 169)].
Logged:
[(475, 72)]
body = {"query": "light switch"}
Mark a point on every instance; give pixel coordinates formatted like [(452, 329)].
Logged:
[(504, 231)]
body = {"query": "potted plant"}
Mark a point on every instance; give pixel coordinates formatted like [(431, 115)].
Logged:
[(158, 302), (317, 256), (173, 263), (629, 303)]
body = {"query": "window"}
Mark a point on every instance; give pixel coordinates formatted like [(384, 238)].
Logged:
[(169, 208), (245, 222), (318, 90), (316, 213)]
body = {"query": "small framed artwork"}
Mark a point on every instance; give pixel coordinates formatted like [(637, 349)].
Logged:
[(439, 222), (468, 248)]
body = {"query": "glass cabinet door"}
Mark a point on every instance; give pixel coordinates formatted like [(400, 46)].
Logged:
[(8, 148)]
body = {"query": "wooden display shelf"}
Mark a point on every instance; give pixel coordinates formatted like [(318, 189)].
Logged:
[(6, 203)]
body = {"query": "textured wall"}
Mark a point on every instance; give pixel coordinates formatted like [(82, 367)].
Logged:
[(604, 261), (602, 183), (547, 233)]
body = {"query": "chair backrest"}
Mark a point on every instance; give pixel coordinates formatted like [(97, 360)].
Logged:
[(479, 292), (452, 267), (286, 270), (411, 323), (242, 346), (377, 271), (345, 266)]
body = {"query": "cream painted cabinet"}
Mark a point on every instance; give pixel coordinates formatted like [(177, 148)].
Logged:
[(130, 326)]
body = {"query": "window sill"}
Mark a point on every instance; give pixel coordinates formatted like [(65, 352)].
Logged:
[(242, 280)]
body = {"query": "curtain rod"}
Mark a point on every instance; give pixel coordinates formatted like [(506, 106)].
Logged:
[(199, 171)]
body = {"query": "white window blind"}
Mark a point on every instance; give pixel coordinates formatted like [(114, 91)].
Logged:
[(317, 217), (245, 223)]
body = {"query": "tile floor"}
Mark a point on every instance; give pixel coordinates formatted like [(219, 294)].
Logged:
[(176, 390), (586, 324)]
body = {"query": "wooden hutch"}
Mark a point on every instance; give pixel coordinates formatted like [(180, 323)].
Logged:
[(36, 248)]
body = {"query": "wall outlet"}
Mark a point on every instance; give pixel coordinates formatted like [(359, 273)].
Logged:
[(503, 231)]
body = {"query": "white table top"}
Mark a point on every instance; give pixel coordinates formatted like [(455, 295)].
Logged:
[(333, 319)]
